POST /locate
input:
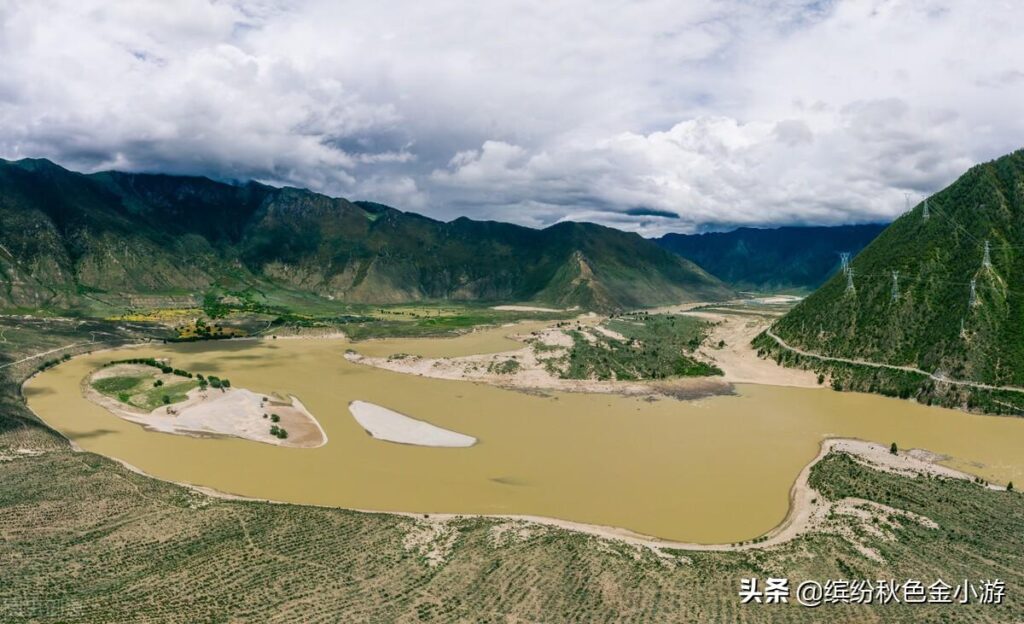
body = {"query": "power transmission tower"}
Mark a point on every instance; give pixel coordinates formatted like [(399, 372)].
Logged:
[(986, 262), (895, 285), (849, 281), (844, 258), (974, 293), (926, 213), (906, 202)]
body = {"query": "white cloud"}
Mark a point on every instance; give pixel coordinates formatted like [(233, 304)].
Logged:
[(720, 113)]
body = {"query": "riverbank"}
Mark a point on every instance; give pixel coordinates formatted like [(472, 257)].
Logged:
[(533, 447), (727, 346), (809, 511)]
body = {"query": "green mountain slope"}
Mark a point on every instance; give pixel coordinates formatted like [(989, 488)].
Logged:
[(772, 260), (65, 237), (930, 322)]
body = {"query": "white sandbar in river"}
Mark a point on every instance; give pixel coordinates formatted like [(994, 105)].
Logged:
[(385, 424)]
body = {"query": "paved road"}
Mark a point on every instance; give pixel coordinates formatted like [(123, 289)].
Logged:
[(909, 369), (32, 357)]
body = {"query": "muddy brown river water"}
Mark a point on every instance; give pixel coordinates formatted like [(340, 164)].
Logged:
[(717, 470)]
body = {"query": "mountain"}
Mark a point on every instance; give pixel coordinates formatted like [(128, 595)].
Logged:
[(931, 320), (66, 237), (772, 260)]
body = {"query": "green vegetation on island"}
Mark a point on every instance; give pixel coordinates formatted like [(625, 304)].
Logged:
[(637, 346), (150, 390), (140, 392)]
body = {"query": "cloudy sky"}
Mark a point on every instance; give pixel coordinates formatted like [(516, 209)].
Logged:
[(654, 116)]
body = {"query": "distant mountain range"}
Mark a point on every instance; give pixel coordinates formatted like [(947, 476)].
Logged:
[(926, 294), (772, 260), (65, 236)]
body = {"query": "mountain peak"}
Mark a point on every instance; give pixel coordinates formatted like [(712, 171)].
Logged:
[(126, 233)]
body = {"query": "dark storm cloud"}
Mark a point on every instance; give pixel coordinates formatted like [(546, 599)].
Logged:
[(650, 212)]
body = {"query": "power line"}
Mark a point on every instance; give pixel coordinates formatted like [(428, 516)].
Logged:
[(894, 274)]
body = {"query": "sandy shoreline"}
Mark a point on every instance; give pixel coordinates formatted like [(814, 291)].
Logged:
[(530, 308), (528, 368), (808, 510)]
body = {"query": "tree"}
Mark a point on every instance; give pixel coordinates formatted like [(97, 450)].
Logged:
[(1009, 486), (893, 449), (167, 400)]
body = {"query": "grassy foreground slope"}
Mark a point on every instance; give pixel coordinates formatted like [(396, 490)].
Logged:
[(74, 242), (931, 321), (83, 539)]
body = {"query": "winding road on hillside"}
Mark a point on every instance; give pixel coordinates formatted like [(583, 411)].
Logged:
[(37, 355), (909, 369)]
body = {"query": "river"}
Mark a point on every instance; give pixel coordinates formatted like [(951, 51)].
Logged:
[(716, 470)]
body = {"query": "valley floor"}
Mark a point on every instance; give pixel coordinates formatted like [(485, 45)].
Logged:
[(159, 552), (733, 326)]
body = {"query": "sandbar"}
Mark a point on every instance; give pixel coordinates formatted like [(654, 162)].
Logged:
[(391, 426)]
